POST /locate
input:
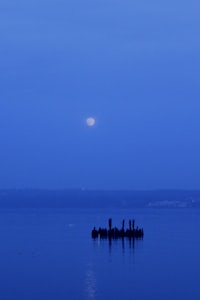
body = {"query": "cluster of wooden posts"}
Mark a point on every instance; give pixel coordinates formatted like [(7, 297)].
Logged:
[(115, 233)]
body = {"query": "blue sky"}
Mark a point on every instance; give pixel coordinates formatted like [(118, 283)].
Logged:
[(133, 65)]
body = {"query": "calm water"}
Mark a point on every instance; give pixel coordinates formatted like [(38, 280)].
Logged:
[(49, 255)]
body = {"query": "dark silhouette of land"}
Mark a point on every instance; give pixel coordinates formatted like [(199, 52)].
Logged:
[(41, 198)]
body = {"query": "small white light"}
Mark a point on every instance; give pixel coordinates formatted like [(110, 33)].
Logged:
[(90, 121)]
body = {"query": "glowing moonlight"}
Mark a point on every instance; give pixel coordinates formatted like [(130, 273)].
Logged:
[(90, 121)]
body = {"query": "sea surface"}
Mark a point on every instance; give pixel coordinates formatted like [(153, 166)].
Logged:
[(48, 254)]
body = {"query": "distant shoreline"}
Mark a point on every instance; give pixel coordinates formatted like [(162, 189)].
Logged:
[(39, 198)]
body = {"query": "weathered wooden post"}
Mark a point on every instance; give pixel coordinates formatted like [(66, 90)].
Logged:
[(110, 224)]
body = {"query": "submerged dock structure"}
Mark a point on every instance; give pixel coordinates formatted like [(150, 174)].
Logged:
[(115, 233)]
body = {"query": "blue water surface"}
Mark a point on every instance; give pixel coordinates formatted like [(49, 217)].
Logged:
[(48, 254)]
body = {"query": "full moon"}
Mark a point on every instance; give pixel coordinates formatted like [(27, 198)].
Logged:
[(90, 121)]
